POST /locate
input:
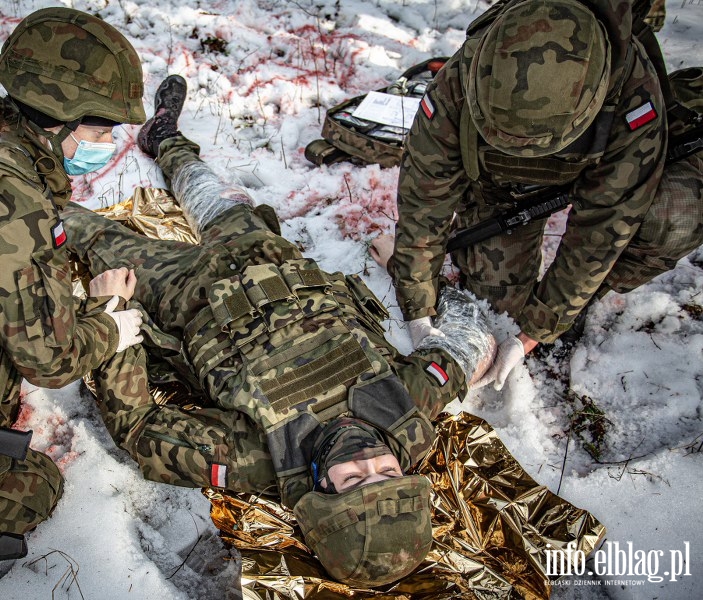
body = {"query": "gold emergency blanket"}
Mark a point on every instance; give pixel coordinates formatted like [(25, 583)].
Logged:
[(154, 213), (492, 521)]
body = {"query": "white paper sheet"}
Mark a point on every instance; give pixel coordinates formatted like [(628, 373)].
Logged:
[(388, 109)]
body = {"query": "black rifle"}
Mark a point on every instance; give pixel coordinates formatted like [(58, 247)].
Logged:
[(14, 443), (538, 202)]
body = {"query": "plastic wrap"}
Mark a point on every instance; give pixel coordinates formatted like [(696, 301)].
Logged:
[(203, 196), (467, 337)]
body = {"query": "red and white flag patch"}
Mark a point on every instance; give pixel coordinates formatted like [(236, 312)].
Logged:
[(427, 106), (439, 373), (641, 116), (58, 233), (218, 475)]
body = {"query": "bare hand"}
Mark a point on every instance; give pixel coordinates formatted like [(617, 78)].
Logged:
[(115, 282), (381, 249)]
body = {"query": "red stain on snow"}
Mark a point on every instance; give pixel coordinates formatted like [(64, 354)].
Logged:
[(365, 202), (24, 417), (53, 437)]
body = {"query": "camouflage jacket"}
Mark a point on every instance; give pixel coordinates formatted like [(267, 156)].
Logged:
[(47, 336), (613, 173)]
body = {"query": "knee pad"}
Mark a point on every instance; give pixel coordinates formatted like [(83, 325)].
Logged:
[(29, 491)]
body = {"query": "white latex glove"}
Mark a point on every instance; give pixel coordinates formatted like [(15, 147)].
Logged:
[(510, 353), (128, 324), (420, 328)]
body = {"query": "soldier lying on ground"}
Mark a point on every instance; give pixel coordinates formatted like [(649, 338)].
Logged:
[(302, 395), (557, 94), (51, 126)]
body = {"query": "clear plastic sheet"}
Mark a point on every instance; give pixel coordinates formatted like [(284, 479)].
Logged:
[(467, 336), (203, 196)]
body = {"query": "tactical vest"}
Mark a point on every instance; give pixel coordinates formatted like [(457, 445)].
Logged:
[(289, 346)]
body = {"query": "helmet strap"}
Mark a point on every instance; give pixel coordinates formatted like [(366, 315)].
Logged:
[(55, 139)]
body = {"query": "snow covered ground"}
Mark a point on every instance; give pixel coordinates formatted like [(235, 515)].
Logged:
[(261, 74)]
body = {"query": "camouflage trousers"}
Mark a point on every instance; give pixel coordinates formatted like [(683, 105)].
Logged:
[(29, 491), (173, 282), (504, 269), (174, 278)]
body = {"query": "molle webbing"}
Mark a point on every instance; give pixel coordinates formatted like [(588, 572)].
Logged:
[(247, 306), (539, 171), (337, 369)]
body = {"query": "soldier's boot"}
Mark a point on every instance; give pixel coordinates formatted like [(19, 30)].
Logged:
[(572, 335), (168, 104), (567, 340)]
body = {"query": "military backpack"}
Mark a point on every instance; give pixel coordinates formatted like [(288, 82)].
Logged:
[(346, 137)]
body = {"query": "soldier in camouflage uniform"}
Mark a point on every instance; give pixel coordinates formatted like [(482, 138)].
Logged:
[(551, 94), (70, 78), (301, 396)]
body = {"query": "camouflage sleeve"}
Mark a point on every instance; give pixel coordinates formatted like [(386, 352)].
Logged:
[(50, 337), (610, 201), (431, 183), (433, 379), (193, 448)]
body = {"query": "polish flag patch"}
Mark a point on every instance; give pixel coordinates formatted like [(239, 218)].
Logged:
[(641, 116), (439, 373), (218, 475), (427, 106), (58, 233)]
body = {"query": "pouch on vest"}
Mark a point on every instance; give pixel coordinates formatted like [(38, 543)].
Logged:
[(370, 309), (361, 141)]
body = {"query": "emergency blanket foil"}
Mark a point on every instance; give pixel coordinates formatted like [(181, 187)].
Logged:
[(493, 524)]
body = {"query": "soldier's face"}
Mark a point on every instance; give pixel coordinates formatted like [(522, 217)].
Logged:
[(88, 133), (354, 473)]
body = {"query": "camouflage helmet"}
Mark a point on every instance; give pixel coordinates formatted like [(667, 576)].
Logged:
[(68, 65), (539, 77), (372, 535)]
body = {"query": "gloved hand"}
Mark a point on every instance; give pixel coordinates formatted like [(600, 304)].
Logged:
[(510, 353), (420, 328), (128, 324)]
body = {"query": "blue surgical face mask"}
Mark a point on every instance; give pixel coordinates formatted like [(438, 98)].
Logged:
[(89, 157)]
